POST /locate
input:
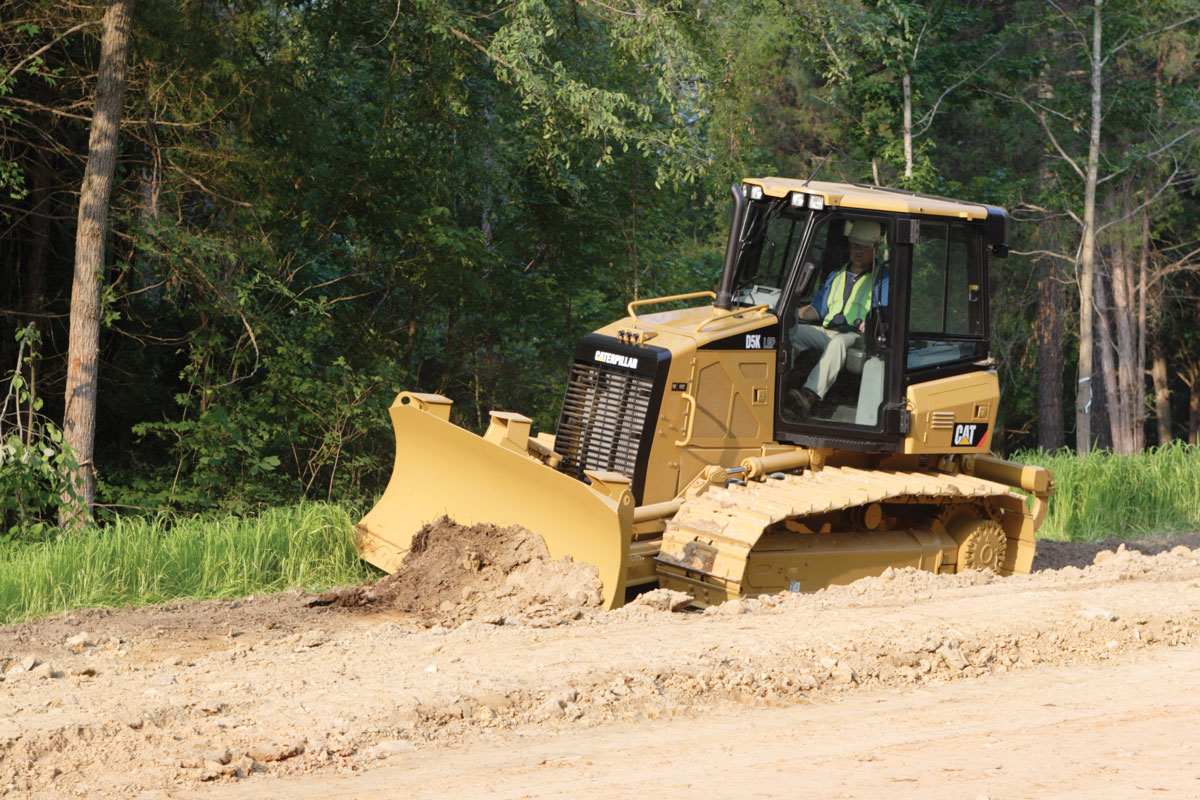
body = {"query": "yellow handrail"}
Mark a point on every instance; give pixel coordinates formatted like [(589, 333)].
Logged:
[(691, 420), (734, 312), (651, 300)]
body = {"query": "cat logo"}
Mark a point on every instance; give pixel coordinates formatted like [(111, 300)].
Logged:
[(969, 434)]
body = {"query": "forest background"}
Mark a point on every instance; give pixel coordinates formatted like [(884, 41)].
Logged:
[(316, 204)]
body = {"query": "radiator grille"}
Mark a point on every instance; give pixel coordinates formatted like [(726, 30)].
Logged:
[(603, 418)]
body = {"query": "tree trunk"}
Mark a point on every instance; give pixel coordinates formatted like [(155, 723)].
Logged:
[(1159, 375), (79, 417), (1137, 410), (1123, 413), (908, 135), (1101, 431), (1158, 369), (1050, 314), (1108, 368), (151, 179), (1194, 407), (1162, 392), (1193, 415), (1050, 357), (1087, 252)]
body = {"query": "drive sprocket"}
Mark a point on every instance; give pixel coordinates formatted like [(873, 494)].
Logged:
[(981, 543)]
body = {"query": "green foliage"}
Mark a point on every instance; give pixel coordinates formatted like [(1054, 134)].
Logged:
[(36, 465), (445, 202), (141, 561), (301, 409), (864, 50), (320, 204), (1106, 495)]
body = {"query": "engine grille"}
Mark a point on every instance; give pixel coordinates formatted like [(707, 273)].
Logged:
[(603, 419)]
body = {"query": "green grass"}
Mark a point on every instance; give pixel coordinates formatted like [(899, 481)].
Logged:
[(143, 561), (140, 561), (1105, 495)]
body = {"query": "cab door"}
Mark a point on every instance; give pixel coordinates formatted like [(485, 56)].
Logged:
[(951, 387), (852, 369)]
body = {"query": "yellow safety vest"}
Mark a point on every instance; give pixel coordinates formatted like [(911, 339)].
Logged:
[(860, 298)]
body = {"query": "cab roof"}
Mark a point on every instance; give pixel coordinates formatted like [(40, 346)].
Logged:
[(876, 198)]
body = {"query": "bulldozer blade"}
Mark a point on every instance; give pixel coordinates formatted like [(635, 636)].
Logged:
[(444, 470)]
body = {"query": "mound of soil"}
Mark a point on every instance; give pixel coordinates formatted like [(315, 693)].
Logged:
[(455, 573), (1056, 555)]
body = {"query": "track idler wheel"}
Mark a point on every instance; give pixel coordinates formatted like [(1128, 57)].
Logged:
[(981, 543)]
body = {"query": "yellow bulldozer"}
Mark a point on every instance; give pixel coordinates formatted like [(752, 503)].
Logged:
[(822, 416)]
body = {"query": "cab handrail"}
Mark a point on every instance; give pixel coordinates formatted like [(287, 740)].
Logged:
[(653, 300), (761, 308)]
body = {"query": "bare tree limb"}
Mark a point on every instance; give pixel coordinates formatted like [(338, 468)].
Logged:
[(924, 122), (1083, 35), (391, 27), (1049, 133), (1050, 253), (1159, 151), (1148, 202), (17, 67), (208, 191), (1121, 45), (1067, 211)]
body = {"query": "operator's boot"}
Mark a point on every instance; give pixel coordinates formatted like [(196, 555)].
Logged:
[(805, 398)]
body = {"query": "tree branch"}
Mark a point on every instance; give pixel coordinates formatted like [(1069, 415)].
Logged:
[(1120, 46), (209, 191), (1049, 133), (1149, 201), (1050, 253), (1162, 149), (1047, 211), (1070, 20), (924, 122), (13, 70)]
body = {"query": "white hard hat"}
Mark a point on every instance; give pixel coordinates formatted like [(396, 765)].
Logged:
[(865, 232)]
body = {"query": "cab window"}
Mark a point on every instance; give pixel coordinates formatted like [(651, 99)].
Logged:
[(774, 232), (946, 309)]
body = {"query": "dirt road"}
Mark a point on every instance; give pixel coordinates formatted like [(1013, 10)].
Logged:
[(1070, 683)]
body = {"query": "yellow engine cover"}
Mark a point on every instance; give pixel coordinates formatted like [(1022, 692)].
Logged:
[(953, 415)]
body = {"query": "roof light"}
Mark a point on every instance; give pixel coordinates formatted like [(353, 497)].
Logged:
[(816, 202), (755, 192), (797, 200)]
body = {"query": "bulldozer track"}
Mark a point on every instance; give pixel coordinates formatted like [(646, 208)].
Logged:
[(709, 544)]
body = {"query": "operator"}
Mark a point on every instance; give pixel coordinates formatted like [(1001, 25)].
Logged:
[(837, 316)]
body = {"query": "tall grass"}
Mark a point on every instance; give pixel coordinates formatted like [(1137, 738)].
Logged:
[(144, 561), (1105, 495)]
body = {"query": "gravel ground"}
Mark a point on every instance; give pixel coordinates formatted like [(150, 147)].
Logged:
[(289, 696)]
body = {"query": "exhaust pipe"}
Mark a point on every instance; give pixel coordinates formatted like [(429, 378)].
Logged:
[(724, 299)]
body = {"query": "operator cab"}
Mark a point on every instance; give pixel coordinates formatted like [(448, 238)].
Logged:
[(855, 330)]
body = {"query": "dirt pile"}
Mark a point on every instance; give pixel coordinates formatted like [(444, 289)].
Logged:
[(1053, 555), (908, 585), (455, 573)]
